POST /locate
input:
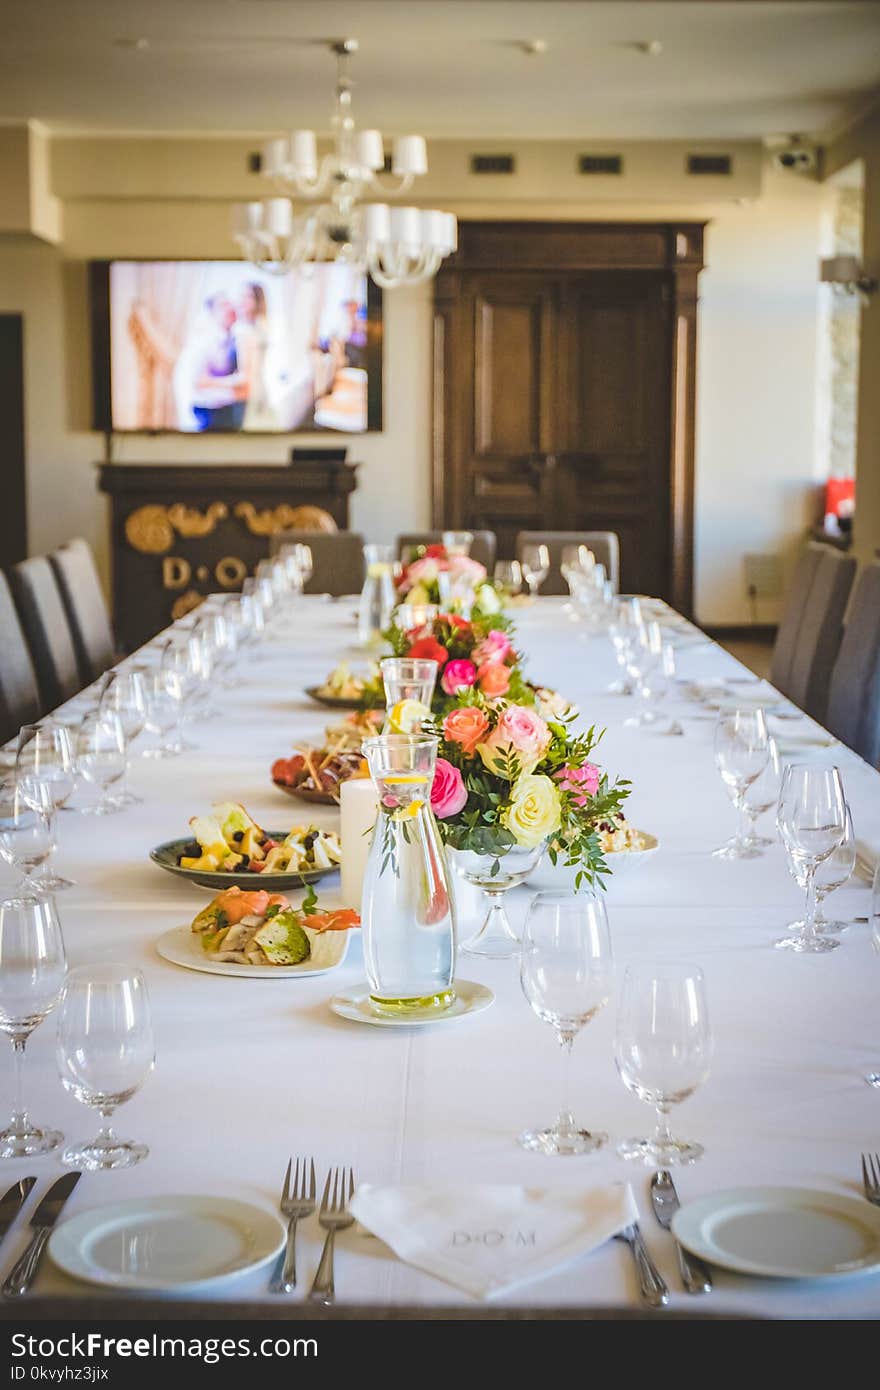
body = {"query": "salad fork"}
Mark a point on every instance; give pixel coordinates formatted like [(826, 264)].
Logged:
[(302, 1203), (333, 1217), (871, 1178)]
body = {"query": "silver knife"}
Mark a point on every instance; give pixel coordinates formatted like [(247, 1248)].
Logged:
[(694, 1273), (12, 1202), (21, 1276), (652, 1289)]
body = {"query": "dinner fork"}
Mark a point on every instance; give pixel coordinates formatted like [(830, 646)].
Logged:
[(871, 1178), (333, 1217), (301, 1203)]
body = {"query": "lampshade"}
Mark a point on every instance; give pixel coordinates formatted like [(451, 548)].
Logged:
[(406, 227), (410, 155), (274, 157), (304, 152), (370, 152), (278, 216), (246, 218), (377, 223)]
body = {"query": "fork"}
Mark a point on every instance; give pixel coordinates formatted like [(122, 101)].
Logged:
[(871, 1178), (332, 1217), (302, 1203)]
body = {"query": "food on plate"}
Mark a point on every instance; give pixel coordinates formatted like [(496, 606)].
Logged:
[(551, 705), (258, 928), (230, 841), (350, 732), (616, 835), (320, 770), (342, 684)]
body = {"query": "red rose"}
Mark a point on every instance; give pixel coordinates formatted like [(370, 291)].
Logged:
[(431, 649), (435, 552)]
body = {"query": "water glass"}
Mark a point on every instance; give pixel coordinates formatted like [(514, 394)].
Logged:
[(126, 695), (415, 617), (105, 1053), (45, 773), (101, 759), (409, 689), (811, 819), (32, 970), (566, 976), (624, 629), (663, 1050), (535, 565), (742, 751), (26, 840), (508, 577), (457, 542)]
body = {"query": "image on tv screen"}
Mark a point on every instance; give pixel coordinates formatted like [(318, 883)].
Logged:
[(219, 346)]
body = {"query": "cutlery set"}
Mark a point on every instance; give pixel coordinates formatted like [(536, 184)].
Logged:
[(333, 1216), (21, 1276)]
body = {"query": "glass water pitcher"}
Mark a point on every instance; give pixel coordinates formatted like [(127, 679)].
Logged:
[(378, 597)]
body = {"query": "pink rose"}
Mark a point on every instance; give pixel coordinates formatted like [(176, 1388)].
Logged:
[(521, 732), (463, 567), (494, 679), (448, 791), (495, 646), (460, 674), (465, 727), (582, 781)]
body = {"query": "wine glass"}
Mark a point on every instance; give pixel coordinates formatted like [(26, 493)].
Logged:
[(25, 837), (624, 628), (509, 577), (742, 751), (565, 973), (182, 666), (457, 542), (162, 714), (306, 562), (45, 773), (663, 1049), (126, 696), (873, 1077), (832, 873), (105, 1053), (762, 795), (645, 668), (32, 970), (811, 819), (535, 566), (101, 758)]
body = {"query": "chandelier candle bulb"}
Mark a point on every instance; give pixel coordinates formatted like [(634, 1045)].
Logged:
[(406, 227), (358, 809), (410, 155), (304, 153), (275, 156), (377, 223), (247, 218), (279, 216), (370, 150)]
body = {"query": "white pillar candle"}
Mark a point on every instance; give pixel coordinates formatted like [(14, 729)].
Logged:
[(358, 809)]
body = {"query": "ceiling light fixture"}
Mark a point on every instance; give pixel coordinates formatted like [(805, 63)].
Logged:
[(397, 246)]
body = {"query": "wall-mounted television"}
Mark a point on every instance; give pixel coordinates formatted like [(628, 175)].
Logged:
[(196, 347)]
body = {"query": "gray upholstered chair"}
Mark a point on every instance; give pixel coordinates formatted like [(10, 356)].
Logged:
[(604, 545), (86, 609), (19, 696), (820, 633), (338, 559), (854, 698), (484, 547), (41, 610), (796, 602)]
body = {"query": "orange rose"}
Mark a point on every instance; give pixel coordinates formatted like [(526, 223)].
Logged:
[(493, 678), (466, 727)]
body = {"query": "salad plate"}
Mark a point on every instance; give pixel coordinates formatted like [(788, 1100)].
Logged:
[(182, 946), (167, 856), (470, 998)]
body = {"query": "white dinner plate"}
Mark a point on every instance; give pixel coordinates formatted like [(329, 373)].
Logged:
[(551, 878), (470, 998), (167, 1243), (782, 1232), (183, 946)]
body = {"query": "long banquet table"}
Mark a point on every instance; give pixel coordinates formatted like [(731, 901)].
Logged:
[(249, 1072)]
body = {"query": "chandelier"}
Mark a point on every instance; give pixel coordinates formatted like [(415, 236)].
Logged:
[(397, 246)]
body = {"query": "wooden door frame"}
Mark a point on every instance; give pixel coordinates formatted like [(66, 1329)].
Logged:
[(13, 531), (505, 247)]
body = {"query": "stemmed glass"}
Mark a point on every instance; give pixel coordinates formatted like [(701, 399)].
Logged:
[(125, 695), (162, 715), (811, 820), (645, 668), (663, 1050), (105, 1053), (45, 773), (25, 838), (873, 1077), (624, 629), (742, 751), (535, 566), (32, 970), (762, 795), (182, 667), (575, 562), (832, 873), (509, 577), (306, 563), (101, 759), (566, 975)]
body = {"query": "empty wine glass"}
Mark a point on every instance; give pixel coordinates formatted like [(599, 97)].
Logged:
[(457, 542), (101, 758), (183, 667), (645, 669), (162, 714), (105, 1053), (25, 838), (873, 1077), (125, 694), (32, 970), (762, 795), (811, 820), (626, 624), (575, 561), (45, 773), (565, 973), (508, 577), (742, 751), (663, 1050), (535, 565), (833, 873)]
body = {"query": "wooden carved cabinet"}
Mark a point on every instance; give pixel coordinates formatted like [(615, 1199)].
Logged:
[(564, 388)]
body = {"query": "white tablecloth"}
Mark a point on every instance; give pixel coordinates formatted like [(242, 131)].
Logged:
[(249, 1072)]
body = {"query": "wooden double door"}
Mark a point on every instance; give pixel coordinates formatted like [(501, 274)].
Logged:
[(564, 393)]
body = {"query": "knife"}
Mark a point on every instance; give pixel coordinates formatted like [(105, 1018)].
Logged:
[(664, 1199), (21, 1276), (652, 1289), (12, 1202)]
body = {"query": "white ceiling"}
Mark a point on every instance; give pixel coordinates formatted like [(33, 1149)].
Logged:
[(443, 67)]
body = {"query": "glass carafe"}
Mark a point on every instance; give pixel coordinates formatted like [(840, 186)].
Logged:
[(407, 912), (378, 598)]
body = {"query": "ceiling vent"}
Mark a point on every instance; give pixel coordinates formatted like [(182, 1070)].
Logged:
[(493, 164), (709, 164), (600, 164)]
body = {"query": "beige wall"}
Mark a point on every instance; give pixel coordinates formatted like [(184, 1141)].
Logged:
[(756, 369)]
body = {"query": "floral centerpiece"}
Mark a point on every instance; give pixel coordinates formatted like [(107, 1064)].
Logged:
[(473, 655), (420, 580)]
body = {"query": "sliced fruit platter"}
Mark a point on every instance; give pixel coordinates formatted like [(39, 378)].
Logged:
[(228, 847)]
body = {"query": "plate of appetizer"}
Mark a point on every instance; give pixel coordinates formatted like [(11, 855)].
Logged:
[(624, 848), (261, 936), (344, 690), (316, 774), (228, 847)]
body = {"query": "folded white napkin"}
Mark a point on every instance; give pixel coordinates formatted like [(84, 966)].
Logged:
[(489, 1239), (867, 857)]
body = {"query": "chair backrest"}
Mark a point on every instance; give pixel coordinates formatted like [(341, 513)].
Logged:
[(854, 698), (86, 610), (820, 633), (41, 610), (604, 545), (19, 695), (796, 602), (338, 559), (484, 546)]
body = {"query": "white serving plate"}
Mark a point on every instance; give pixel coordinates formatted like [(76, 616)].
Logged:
[(551, 878), (470, 999), (183, 1244), (182, 946), (782, 1232)]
